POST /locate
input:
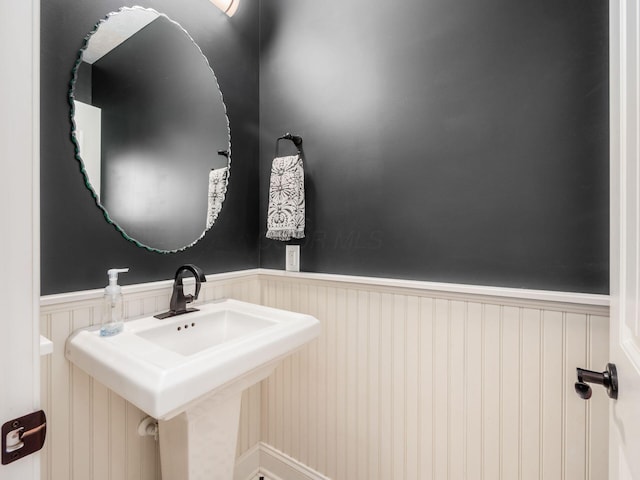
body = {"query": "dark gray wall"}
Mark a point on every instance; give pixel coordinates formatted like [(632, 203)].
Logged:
[(448, 141), (77, 244), (457, 141)]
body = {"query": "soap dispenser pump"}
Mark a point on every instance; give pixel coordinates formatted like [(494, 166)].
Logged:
[(112, 305)]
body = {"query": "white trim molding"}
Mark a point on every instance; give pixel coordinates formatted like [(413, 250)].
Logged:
[(139, 288), (519, 296), (263, 460), (248, 464)]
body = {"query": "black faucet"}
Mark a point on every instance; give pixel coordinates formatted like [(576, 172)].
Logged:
[(178, 303)]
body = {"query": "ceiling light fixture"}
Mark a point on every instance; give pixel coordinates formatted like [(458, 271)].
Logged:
[(227, 6)]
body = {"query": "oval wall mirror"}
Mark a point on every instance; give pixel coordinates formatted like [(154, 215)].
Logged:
[(150, 129)]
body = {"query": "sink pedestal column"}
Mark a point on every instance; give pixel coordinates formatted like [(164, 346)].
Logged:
[(200, 443)]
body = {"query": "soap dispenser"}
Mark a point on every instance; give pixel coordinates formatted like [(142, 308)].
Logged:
[(112, 305)]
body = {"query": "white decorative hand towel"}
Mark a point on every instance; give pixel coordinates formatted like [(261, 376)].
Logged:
[(285, 216), (217, 192)]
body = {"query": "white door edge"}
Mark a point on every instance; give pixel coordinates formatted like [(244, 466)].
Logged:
[(624, 64), (19, 217)]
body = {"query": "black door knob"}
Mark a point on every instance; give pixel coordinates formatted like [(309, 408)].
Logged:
[(608, 379), (583, 390)]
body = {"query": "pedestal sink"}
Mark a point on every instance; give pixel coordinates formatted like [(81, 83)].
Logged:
[(189, 372)]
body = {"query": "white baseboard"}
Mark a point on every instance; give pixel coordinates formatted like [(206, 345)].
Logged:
[(248, 464), (264, 460)]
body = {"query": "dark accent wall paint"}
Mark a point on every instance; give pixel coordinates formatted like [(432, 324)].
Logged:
[(447, 141), (77, 244), (453, 141)]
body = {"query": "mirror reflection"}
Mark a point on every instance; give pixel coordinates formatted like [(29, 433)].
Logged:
[(149, 123)]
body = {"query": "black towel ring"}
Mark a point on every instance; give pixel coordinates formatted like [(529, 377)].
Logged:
[(296, 139)]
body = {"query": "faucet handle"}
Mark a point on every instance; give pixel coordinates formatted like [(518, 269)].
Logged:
[(197, 273)]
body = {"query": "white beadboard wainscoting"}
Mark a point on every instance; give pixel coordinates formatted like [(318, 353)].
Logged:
[(92, 433), (408, 380)]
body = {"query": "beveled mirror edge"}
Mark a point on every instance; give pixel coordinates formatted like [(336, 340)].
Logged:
[(76, 144)]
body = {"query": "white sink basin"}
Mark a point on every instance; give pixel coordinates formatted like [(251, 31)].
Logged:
[(165, 366), (207, 330)]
